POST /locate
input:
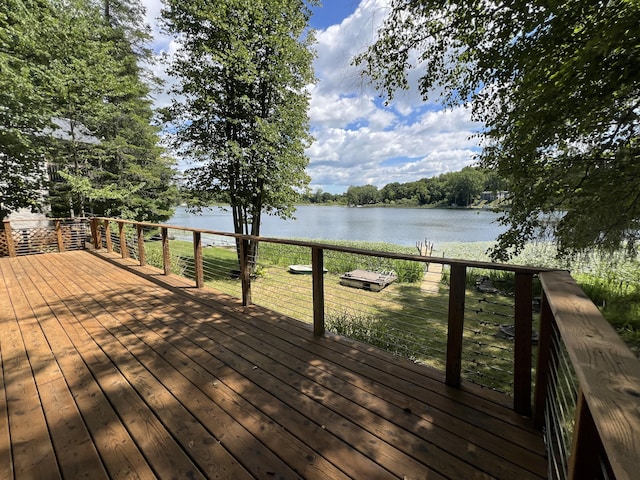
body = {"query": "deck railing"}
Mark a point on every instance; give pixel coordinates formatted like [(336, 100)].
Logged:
[(42, 235), (587, 395), (586, 381), (111, 235)]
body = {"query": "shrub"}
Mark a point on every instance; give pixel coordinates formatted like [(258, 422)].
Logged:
[(408, 271), (177, 263)]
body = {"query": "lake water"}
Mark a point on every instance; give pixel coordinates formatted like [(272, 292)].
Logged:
[(401, 226)]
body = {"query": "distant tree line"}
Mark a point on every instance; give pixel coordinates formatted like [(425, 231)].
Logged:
[(452, 188)]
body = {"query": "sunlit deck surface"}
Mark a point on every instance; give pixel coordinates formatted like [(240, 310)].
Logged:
[(112, 372)]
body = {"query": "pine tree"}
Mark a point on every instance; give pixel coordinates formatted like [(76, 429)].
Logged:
[(73, 95), (25, 113)]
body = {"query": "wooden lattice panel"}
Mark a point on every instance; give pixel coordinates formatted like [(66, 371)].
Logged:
[(73, 236), (4, 250), (35, 240)]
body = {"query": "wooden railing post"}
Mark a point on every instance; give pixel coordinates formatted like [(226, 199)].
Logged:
[(124, 249), (11, 248), (95, 232), (166, 255), (457, 286), (245, 272), (543, 362), (522, 343), (197, 259), (608, 375), (317, 268), (142, 257), (107, 236), (59, 237)]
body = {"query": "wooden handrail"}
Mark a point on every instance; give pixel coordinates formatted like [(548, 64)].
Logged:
[(524, 275), (46, 233), (339, 248), (608, 374)]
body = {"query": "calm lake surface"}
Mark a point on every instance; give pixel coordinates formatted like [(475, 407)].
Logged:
[(401, 226)]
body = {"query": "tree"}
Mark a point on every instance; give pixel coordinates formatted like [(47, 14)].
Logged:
[(101, 89), (464, 186), (240, 110), (393, 192), (494, 182), (363, 195), (419, 192), (25, 27), (69, 72), (557, 86)]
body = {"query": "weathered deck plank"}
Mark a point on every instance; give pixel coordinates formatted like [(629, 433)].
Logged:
[(132, 376), (31, 448), (58, 406)]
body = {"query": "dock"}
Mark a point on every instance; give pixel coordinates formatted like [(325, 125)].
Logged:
[(431, 279)]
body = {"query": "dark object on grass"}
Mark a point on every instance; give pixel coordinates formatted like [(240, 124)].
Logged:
[(485, 285), (509, 331)]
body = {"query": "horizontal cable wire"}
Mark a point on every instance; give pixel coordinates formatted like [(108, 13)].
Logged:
[(408, 318), (560, 408)]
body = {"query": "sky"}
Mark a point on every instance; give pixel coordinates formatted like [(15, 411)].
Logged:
[(359, 140)]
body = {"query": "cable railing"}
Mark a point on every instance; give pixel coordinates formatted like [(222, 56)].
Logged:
[(587, 387), (430, 312), (560, 407), (504, 327)]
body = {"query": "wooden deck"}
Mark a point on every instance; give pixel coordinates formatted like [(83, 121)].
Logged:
[(111, 372)]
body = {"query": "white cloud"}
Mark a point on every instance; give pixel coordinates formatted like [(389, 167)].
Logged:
[(153, 8), (358, 139)]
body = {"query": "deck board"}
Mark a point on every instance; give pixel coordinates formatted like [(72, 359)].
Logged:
[(124, 373)]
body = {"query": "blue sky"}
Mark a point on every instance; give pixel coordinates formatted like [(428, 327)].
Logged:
[(359, 140), (332, 12)]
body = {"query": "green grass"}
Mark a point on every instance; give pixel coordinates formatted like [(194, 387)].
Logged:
[(220, 265), (619, 302), (338, 262), (400, 319), (612, 282)]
